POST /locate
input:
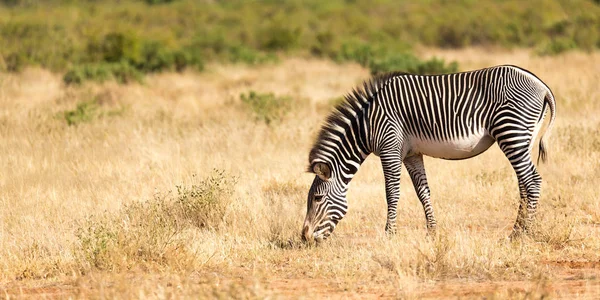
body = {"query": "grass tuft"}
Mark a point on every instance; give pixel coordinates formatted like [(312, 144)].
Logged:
[(151, 233)]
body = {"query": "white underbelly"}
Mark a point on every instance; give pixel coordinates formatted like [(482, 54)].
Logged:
[(462, 148)]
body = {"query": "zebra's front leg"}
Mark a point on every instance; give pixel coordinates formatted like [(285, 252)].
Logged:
[(416, 170), (392, 165)]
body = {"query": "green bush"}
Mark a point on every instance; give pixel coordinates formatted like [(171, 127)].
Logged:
[(280, 37), (15, 62), (242, 54), (381, 60), (267, 108), (158, 1), (406, 62), (121, 72), (118, 46), (155, 57), (362, 53), (63, 34), (187, 57), (557, 46)]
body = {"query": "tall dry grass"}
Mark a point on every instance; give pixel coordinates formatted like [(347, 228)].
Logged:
[(111, 206)]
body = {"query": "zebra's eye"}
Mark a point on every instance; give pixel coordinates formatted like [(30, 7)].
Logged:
[(318, 198)]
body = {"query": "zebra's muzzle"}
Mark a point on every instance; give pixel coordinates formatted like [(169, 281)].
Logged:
[(307, 234)]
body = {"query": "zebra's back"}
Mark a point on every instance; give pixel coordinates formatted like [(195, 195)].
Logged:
[(449, 116)]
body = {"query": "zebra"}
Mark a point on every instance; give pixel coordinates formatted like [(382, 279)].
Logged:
[(401, 117)]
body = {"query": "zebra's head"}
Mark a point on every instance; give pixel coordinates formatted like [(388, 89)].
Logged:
[(326, 203)]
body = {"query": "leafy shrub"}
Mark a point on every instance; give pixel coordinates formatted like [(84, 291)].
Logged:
[(324, 44), (158, 1), (381, 60), (214, 45), (249, 56), (187, 57), (267, 108), (155, 57), (118, 46), (362, 53), (557, 46), (411, 64), (280, 37), (15, 62), (151, 232), (125, 58), (122, 72)]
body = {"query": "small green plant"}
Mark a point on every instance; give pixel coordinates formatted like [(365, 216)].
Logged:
[(84, 112), (90, 110), (97, 241), (267, 107)]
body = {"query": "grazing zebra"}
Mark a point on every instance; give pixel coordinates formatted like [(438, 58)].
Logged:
[(401, 117)]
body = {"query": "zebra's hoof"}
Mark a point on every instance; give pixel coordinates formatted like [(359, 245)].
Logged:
[(432, 232), (390, 231), (515, 235)]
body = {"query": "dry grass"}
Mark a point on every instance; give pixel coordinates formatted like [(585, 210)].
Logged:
[(90, 210)]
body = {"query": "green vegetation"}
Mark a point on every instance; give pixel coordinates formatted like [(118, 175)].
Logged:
[(121, 72), (380, 60), (84, 112), (267, 108), (100, 40), (87, 111)]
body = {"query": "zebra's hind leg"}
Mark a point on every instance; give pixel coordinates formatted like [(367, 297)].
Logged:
[(416, 170), (530, 183), (521, 214)]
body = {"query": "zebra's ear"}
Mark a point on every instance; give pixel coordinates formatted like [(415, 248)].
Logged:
[(322, 170)]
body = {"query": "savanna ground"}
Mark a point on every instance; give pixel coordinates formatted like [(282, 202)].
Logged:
[(176, 188)]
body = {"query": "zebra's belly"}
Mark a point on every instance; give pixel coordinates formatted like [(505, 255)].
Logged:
[(462, 148)]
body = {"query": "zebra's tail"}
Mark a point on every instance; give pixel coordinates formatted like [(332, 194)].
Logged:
[(551, 102)]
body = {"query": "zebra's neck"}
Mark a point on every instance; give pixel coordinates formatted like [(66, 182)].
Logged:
[(345, 141)]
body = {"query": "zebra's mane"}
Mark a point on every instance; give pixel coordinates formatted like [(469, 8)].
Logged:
[(352, 107)]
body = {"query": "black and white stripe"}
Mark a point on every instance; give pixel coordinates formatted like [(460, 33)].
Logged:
[(401, 117)]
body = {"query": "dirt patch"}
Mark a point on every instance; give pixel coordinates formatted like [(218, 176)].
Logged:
[(512, 289), (42, 292), (573, 264), (569, 279)]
